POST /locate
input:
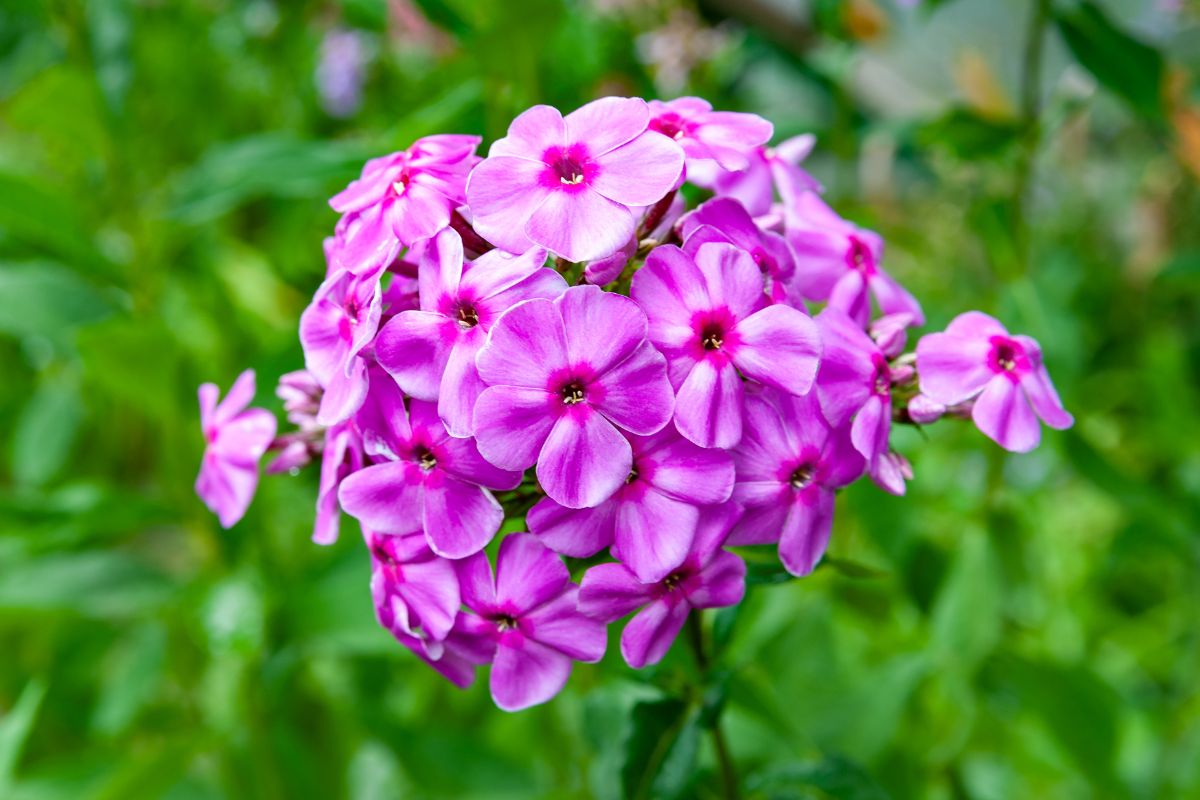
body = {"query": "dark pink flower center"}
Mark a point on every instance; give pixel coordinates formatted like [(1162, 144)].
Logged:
[(424, 457), (466, 316), (567, 167), (1008, 356), (670, 124), (803, 475), (859, 257), (672, 581), (573, 393)]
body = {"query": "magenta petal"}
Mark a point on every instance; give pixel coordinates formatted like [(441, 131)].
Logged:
[(732, 278), (477, 586), (779, 346), (603, 328), (760, 524), (430, 589), (1005, 416), (708, 408), (527, 674), (580, 225), (384, 497), (528, 574), (419, 213), (414, 347), (650, 634), (670, 287), (688, 472), (894, 298), (641, 172), (226, 488), (722, 582), (806, 533), (975, 325), (607, 123), (610, 591), (575, 532), (511, 425), (459, 518), (869, 431), (441, 268), (560, 625), (713, 529), (637, 392), (240, 395), (344, 394), (585, 459), (1044, 399), (245, 437), (952, 368), (524, 347), (461, 384), (461, 459), (654, 534)]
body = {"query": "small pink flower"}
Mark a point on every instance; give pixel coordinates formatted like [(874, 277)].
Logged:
[(976, 358), (771, 171), (235, 439), (567, 184), (724, 219), (415, 591), (727, 137)]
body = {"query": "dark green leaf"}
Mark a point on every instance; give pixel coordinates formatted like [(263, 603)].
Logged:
[(967, 135), (834, 776), (101, 583), (46, 431), (660, 750), (15, 726)]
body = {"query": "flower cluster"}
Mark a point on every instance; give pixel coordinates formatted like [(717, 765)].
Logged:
[(549, 341)]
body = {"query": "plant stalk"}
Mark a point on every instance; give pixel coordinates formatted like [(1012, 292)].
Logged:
[(729, 783)]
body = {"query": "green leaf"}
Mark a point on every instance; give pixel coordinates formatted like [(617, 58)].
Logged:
[(834, 776), (43, 299), (661, 749), (967, 135), (1129, 68), (46, 431), (95, 584), (966, 617), (15, 727), (33, 213), (132, 677)]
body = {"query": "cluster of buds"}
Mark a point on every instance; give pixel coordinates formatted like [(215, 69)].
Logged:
[(549, 341)]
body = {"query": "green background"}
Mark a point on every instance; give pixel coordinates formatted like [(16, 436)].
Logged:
[(1017, 626)]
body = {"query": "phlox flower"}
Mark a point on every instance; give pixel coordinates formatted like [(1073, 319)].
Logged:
[(424, 480), (707, 316), (652, 518), (415, 592), (709, 577), (431, 351), (769, 170), (789, 465), (565, 377), (727, 137), (567, 183), (976, 358), (855, 382), (235, 438), (839, 263), (406, 196), (526, 615), (724, 219)]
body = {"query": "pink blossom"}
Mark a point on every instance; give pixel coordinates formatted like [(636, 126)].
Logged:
[(771, 170), (235, 439), (527, 616), (565, 377), (415, 591), (567, 184), (707, 316), (431, 351), (724, 219), (708, 577), (728, 137), (652, 518), (977, 359)]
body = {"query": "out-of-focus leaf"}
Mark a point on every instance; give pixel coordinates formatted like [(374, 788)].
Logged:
[(41, 298), (32, 213), (851, 569), (760, 572), (132, 677), (375, 773), (1129, 68), (149, 774), (967, 135), (661, 749), (109, 26), (966, 617), (100, 584), (15, 727), (833, 776), (46, 431)]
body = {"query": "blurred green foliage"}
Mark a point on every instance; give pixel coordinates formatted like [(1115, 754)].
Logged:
[(1018, 626)]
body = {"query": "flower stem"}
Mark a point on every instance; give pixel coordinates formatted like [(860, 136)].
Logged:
[(729, 783), (1031, 87)]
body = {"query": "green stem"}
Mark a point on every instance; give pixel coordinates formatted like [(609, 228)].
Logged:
[(1031, 87), (729, 783)]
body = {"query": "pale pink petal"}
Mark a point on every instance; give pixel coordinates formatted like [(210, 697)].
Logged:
[(894, 298), (240, 395), (607, 123), (525, 346), (461, 384), (641, 172), (869, 431), (580, 225), (414, 347), (975, 325), (585, 459), (779, 346), (503, 192), (441, 269), (418, 213), (1045, 400), (952, 368), (533, 132), (734, 281), (527, 675), (575, 532), (226, 488), (603, 328), (528, 574), (344, 394), (245, 438), (1005, 416), (637, 394)]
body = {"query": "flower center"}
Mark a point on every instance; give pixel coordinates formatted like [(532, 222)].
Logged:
[(883, 376), (573, 393), (672, 581), (712, 336), (1006, 357), (803, 475), (670, 125), (632, 476), (859, 256), (468, 317), (383, 556), (425, 459), (505, 622), (570, 171), (399, 186)]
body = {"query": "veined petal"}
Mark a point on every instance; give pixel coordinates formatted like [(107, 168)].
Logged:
[(722, 582), (560, 625), (459, 518), (585, 459), (609, 591), (806, 533), (607, 123), (1005, 416), (654, 534), (779, 346), (384, 497), (690, 473), (528, 574), (511, 425), (527, 675), (503, 192), (533, 132), (708, 407), (461, 384), (441, 268), (575, 532), (952, 368), (580, 225), (640, 172), (524, 347), (1044, 399), (414, 347), (602, 328), (637, 394)]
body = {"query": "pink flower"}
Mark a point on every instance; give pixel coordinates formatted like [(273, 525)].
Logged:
[(406, 196), (235, 439), (341, 455), (527, 616), (770, 170), (723, 219), (976, 358), (415, 591), (709, 577), (424, 480), (341, 320), (567, 184), (789, 465), (855, 382), (707, 317), (651, 518), (727, 137), (431, 351), (839, 263), (565, 377)]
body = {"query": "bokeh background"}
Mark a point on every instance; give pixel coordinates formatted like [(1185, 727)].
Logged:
[(1018, 626)]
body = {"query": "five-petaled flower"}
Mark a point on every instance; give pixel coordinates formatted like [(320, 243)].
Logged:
[(235, 438)]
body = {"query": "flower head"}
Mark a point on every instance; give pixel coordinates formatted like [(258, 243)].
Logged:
[(789, 464), (708, 577), (724, 219), (706, 314), (652, 518), (565, 377), (727, 137), (567, 183), (769, 171), (431, 351), (526, 615), (235, 438), (976, 358)]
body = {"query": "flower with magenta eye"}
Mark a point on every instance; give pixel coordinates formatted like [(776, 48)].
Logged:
[(415, 591), (567, 183), (976, 358), (727, 137), (235, 439), (565, 377), (707, 316)]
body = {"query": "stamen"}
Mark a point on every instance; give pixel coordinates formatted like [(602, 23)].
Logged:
[(1006, 358), (573, 179), (672, 581), (468, 317), (425, 459), (505, 622), (803, 476), (633, 476), (712, 337), (399, 186), (573, 393)]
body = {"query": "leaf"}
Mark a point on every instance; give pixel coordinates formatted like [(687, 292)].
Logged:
[(966, 617), (967, 135), (132, 677), (15, 727), (1129, 68), (851, 569), (835, 776), (760, 573), (32, 213), (44, 299), (46, 431), (660, 750), (94, 584)]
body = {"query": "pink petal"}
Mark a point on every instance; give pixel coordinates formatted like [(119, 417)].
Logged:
[(607, 123), (414, 347), (226, 488), (850, 295), (441, 269), (894, 298), (560, 625), (637, 394), (641, 172), (650, 634), (1005, 416), (241, 394), (459, 518), (525, 346), (1044, 399), (529, 135), (871, 426), (670, 287), (461, 459), (952, 368), (511, 425), (430, 589), (384, 497), (779, 346), (713, 529), (575, 532), (527, 675), (610, 591), (584, 459), (761, 524), (477, 586), (806, 533), (708, 408), (580, 225), (733, 279), (975, 325), (721, 583), (503, 192), (461, 384), (419, 213), (344, 394), (603, 328), (496, 273), (654, 534), (528, 574), (690, 473), (245, 438)]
